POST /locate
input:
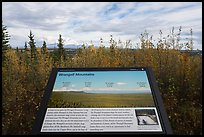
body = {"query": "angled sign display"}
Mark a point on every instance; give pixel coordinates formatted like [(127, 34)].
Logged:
[(102, 100)]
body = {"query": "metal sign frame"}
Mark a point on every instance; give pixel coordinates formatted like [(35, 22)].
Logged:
[(165, 124)]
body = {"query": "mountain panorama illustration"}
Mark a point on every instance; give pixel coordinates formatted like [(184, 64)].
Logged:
[(104, 90)]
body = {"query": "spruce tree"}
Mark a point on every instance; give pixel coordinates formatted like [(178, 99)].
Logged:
[(5, 41), (32, 47), (25, 46), (61, 51), (44, 48)]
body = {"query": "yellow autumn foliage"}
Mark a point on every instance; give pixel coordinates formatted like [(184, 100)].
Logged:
[(179, 77)]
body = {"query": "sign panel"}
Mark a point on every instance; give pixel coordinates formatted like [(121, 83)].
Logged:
[(101, 100)]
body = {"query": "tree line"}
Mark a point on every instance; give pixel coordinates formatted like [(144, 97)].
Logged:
[(179, 75)]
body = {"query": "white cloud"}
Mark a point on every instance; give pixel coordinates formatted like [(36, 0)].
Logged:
[(82, 22), (121, 83), (105, 89)]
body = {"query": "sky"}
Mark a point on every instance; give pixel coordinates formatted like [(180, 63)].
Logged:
[(103, 82), (87, 22)]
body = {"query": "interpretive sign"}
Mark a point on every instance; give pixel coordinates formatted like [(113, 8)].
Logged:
[(102, 100)]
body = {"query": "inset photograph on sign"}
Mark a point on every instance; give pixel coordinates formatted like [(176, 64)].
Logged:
[(146, 117)]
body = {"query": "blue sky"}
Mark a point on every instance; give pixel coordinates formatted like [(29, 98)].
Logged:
[(80, 22), (122, 82)]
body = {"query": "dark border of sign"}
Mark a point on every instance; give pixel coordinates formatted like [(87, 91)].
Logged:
[(166, 128)]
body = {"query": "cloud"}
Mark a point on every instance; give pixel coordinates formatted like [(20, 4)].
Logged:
[(105, 89), (83, 22), (121, 83)]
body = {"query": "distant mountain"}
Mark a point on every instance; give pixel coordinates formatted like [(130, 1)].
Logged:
[(76, 91), (52, 45), (69, 46), (72, 46)]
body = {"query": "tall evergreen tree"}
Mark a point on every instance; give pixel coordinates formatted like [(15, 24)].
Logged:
[(32, 47), (61, 50), (44, 48), (25, 46), (5, 41)]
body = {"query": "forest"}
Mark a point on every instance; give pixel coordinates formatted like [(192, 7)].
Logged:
[(178, 74)]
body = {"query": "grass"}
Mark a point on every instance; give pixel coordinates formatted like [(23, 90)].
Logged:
[(66, 99)]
